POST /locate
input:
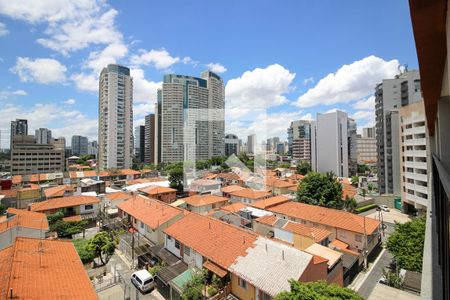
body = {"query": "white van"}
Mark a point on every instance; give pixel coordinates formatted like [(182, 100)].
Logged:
[(143, 280)]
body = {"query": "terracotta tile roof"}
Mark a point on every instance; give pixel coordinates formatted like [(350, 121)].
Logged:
[(250, 194), (268, 220), (327, 216), (45, 269), (12, 193), (90, 173), (76, 218), (156, 190), (319, 259), (6, 256), (151, 212), (63, 202), (30, 186), (16, 179), (269, 202), (215, 240), (273, 182), (145, 180), (347, 189), (330, 255), (338, 244), (117, 196), (317, 234), (205, 182), (231, 188), (215, 269), (57, 191), (234, 207), (29, 219), (201, 200), (228, 176), (129, 172), (297, 176)]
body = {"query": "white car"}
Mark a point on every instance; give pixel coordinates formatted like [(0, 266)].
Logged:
[(384, 207), (143, 280)]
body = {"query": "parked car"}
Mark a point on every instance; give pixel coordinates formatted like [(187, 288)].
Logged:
[(143, 280), (382, 280), (384, 207)]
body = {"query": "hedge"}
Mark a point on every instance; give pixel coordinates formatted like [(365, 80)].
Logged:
[(365, 208)]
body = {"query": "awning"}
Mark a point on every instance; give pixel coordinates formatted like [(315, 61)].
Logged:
[(219, 271)]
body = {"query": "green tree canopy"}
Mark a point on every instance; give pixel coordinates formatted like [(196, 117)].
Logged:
[(321, 189), (318, 290), (176, 178), (193, 289), (303, 168), (86, 255), (101, 245), (406, 244)]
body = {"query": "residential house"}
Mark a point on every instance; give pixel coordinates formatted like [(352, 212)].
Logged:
[(58, 191), (205, 186), (149, 216), (21, 197), (233, 207), (203, 204), (229, 178), (357, 231), (161, 193), (226, 190), (280, 186), (35, 268), (114, 199), (271, 201), (249, 196), (335, 272), (85, 206), (296, 234), (21, 223)]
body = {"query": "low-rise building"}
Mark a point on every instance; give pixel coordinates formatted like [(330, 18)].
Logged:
[(270, 202), (21, 223), (204, 186), (226, 190), (58, 191), (249, 196), (203, 204), (164, 194), (85, 206), (149, 216), (34, 268), (21, 197), (335, 272)]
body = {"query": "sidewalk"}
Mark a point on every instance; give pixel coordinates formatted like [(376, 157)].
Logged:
[(363, 275)]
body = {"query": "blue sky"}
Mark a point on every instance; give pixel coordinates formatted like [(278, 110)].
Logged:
[(279, 62)]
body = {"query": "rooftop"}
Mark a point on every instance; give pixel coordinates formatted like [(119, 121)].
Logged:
[(24, 218), (327, 216), (43, 269), (151, 212), (231, 188), (330, 255), (155, 190), (250, 194), (118, 196), (202, 200), (220, 242), (269, 202), (63, 202), (318, 234), (57, 191), (234, 207), (270, 265)]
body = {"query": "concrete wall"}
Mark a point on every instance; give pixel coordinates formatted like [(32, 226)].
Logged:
[(8, 237)]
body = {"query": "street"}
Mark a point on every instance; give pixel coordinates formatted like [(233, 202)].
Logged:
[(374, 275)]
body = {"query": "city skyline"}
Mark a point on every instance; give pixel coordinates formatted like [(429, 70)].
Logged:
[(60, 77)]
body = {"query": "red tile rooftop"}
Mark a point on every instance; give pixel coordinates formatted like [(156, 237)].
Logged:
[(63, 202)]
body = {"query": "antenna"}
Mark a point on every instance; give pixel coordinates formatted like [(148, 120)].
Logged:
[(282, 254)]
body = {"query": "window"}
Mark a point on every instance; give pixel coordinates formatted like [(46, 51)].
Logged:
[(177, 244), (141, 225), (358, 238), (242, 283), (187, 251), (88, 206)]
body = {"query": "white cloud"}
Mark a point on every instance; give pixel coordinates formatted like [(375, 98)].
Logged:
[(143, 90), (85, 82), (308, 80), (70, 101), (8, 93), (161, 59), (333, 110), (368, 103), (350, 82), (3, 30), (140, 110), (109, 55), (363, 114), (216, 68), (42, 70), (259, 88)]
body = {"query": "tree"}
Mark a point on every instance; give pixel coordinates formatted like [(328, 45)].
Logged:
[(321, 189), (393, 279), (355, 180), (362, 169), (303, 168), (350, 204), (284, 165), (370, 186), (318, 290), (193, 289), (101, 245), (2, 209), (176, 178), (53, 218), (67, 229), (85, 255), (406, 244)]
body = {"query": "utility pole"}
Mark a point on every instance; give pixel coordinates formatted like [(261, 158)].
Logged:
[(365, 245)]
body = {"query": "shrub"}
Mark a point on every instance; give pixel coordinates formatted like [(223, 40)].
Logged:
[(365, 208)]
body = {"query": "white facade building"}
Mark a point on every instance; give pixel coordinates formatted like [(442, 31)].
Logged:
[(43, 136), (115, 123)]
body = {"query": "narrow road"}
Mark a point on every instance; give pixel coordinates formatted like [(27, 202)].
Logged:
[(375, 274)]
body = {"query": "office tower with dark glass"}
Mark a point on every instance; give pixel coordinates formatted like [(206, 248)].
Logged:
[(115, 118), (390, 96), (79, 145), (189, 118), (231, 144), (139, 143)]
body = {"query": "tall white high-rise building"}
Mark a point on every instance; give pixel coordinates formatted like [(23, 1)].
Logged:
[(329, 143), (189, 118), (251, 144), (43, 136), (115, 118)]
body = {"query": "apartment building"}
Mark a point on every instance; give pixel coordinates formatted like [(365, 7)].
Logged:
[(189, 118), (79, 145), (299, 140), (231, 144), (115, 119), (43, 136), (329, 143), (369, 132), (18, 127), (390, 96), (414, 162), (139, 143), (29, 157), (352, 151), (251, 144), (149, 139), (366, 150)]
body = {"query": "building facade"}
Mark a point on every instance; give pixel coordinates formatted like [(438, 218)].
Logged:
[(369, 132), (115, 123), (414, 162), (43, 136), (390, 96), (149, 140), (251, 144), (139, 143), (29, 157), (299, 140), (79, 145), (352, 151), (366, 150), (93, 148), (329, 143), (18, 127), (189, 118), (231, 144)]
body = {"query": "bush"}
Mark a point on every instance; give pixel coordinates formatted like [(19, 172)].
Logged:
[(365, 208), (85, 255)]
